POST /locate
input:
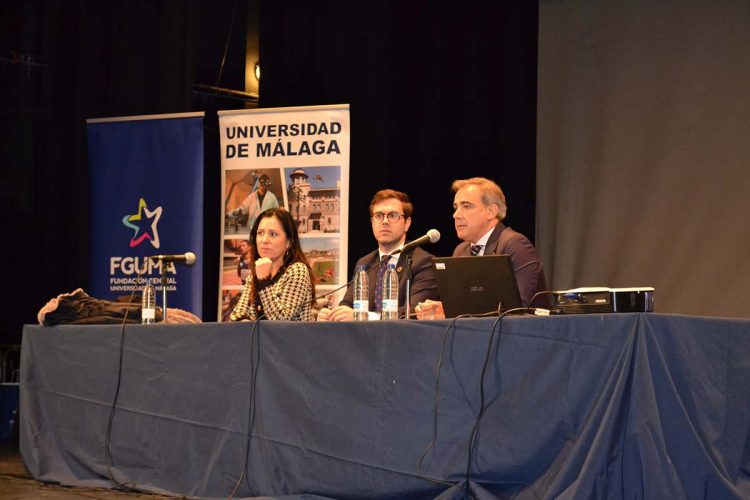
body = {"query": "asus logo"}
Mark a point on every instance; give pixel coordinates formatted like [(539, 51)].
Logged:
[(476, 288)]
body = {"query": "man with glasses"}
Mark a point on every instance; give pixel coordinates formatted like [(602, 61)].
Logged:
[(390, 215), (478, 211)]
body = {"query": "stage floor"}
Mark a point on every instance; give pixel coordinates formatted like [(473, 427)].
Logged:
[(17, 484)]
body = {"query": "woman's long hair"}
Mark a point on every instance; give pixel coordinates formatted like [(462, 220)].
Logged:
[(293, 254)]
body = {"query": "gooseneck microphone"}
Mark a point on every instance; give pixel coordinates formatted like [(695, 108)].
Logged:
[(188, 258), (432, 236)]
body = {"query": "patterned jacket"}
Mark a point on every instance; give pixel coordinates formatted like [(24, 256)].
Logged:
[(285, 297)]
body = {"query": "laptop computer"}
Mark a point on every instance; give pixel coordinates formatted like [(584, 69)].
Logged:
[(476, 285)]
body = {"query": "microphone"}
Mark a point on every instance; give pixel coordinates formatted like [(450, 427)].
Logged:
[(432, 236), (188, 258)]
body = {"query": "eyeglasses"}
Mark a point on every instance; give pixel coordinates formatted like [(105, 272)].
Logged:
[(393, 217)]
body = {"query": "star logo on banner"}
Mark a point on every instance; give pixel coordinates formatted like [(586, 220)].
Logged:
[(144, 225)]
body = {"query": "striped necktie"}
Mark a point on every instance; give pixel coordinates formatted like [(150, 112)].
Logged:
[(475, 249), (378, 302)]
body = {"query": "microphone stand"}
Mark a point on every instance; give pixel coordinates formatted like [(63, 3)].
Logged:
[(163, 290), (407, 302)]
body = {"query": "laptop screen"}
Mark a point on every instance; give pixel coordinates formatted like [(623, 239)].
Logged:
[(476, 285)]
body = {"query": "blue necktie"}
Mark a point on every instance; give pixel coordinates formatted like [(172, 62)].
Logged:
[(475, 249), (378, 302)]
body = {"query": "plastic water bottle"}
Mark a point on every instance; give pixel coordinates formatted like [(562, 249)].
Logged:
[(361, 291), (390, 293), (148, 304)]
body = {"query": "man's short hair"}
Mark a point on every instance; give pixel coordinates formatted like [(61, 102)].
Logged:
[(491, 193), (385, 194)]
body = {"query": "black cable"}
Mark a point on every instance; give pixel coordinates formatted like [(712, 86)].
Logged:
[(436, 408), (542, 292), (113, 408), (255, 367), (255, 364), (475, 428), (107, 452), (251, 407)]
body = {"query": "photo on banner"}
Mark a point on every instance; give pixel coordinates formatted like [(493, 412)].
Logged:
[(291, 158)]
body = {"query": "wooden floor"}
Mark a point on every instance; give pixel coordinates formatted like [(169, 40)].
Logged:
[(16, 483)]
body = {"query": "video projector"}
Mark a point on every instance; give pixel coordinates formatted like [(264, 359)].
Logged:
[(603, 300)]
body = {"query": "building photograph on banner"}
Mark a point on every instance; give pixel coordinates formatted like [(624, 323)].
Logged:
[(296, 159)]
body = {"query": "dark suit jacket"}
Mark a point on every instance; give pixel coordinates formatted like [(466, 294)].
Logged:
[(423, 285), (523, 257)]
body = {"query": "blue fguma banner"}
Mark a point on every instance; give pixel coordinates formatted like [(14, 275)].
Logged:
[(147, 200)]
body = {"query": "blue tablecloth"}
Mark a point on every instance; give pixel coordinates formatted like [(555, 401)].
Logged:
[(594, 406)]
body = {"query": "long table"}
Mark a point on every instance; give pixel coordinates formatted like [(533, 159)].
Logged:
[(591, 406)]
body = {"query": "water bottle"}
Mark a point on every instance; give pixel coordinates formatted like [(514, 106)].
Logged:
[(361, 290), (390, 293), (148, 305)]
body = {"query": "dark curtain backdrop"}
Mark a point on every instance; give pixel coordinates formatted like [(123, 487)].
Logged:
[(644, 149), (437, 91)]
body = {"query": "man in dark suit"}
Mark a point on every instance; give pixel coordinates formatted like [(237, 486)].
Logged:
[(390, 215), (479, 209)]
